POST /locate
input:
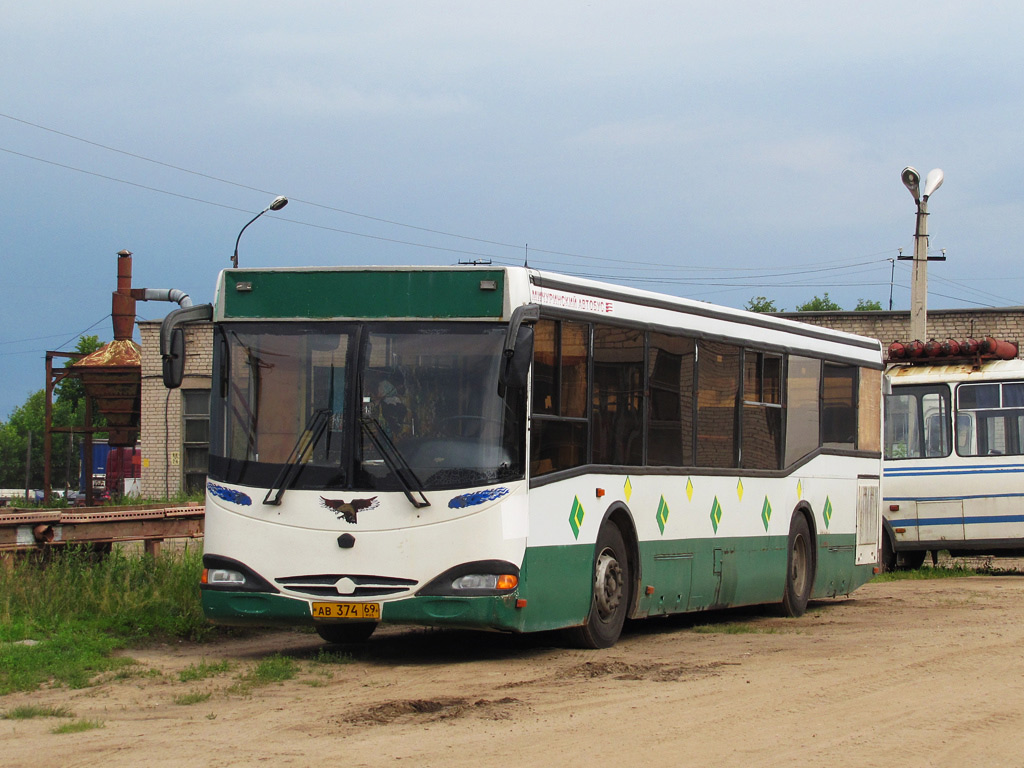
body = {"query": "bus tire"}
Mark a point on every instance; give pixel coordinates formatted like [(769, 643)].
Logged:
[(353, 632), (913, 560), (799, 568), (610, 593)]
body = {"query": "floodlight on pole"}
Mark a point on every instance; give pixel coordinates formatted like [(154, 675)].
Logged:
[(919, 283), (277, 204)]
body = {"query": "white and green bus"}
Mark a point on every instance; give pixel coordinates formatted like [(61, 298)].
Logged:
[(516, 450)]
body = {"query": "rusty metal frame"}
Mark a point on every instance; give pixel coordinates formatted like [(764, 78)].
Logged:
[(38, 529)]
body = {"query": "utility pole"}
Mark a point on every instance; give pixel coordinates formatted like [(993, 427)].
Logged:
[(919, 281)]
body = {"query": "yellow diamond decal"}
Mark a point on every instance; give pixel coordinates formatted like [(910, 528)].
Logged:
[(628, 488), (739, 489), (689, 490)]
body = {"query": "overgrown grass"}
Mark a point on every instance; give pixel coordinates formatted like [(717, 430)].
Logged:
[(77, 726), (187, 699), (332, 657), (62, 616), (930, 572), (30, 711), (730, 628), (203, 670), (273, 669)]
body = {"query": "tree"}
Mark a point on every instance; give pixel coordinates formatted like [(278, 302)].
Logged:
[(761, 304), (820, 304), (866, 305), (68, 410), (70, 389)]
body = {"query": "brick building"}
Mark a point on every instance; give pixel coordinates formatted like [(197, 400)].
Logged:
[(1005, 323), (175, 427)]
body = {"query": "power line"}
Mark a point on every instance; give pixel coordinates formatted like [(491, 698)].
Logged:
[(633, 264), (39, 338)]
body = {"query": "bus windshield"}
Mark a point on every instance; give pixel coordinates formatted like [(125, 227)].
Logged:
[(358, 406)]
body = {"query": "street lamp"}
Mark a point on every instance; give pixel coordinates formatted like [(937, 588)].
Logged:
[(919, 283), (278, 203)]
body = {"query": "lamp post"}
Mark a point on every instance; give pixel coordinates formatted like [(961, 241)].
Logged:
[(919, 283), (278, 203)]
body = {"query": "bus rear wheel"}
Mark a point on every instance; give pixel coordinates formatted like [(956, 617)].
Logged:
[(911, 561), (609, 602), (353, 632), (799, 568)]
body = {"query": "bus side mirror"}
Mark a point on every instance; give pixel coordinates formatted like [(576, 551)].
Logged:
[(517, 353), (172, 341), (174, 360), (517, 365)]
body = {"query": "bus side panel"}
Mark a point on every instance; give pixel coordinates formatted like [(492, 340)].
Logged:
[(835, 576), (556, 584)]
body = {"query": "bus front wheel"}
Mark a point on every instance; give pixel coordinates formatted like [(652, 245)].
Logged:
[(609, 600), (799, 568)]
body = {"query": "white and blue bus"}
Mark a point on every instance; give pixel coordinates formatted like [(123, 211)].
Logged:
[(954, 459), (516, 450)]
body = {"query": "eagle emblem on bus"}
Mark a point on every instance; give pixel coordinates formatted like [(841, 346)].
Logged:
[(348, 510)]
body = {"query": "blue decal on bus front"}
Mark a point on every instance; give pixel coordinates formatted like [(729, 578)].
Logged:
[(477, 497), (229, 494)]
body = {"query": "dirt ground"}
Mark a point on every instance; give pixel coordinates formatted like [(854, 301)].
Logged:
[(914, 673)]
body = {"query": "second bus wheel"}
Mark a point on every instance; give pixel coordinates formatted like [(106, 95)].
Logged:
[(609, 602), (799, 568)]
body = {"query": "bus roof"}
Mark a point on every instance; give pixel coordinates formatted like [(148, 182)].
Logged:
[(485, 292)]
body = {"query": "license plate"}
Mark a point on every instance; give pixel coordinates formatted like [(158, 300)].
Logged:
[(362, 611)]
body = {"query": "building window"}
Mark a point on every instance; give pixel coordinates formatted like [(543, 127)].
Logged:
[(195, 429)]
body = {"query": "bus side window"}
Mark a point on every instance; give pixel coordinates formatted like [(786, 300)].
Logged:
[(936, 425), (966, 444), (839, 406)]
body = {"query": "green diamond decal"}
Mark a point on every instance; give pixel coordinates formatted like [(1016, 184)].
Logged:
[(662, 514), (716, 514), (766, 513), (827, 512), (576, 516)]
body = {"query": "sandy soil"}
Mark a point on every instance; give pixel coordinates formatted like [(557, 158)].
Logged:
[(926, 673)]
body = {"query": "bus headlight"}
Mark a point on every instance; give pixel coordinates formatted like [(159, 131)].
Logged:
[(490, 581), (222, 576), (480, 578)]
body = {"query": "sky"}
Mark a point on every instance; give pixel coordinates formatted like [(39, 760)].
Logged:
[(717, 151)]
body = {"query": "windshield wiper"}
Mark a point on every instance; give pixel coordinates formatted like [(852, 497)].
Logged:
[(307, 439), (396, 462)]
